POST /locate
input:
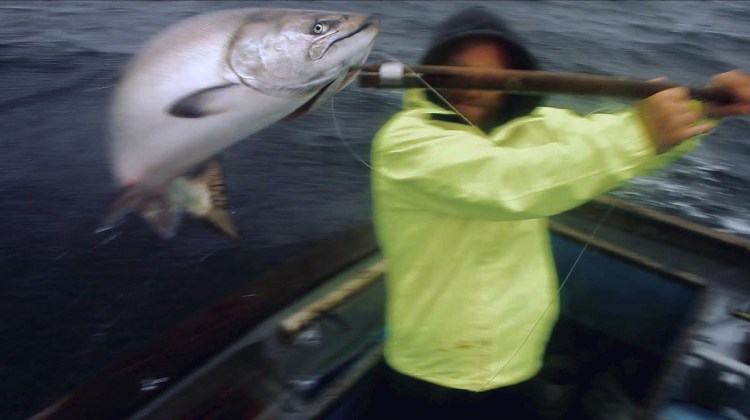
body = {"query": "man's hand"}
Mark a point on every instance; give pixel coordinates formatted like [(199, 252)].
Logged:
[(669, 119), (737, 84)]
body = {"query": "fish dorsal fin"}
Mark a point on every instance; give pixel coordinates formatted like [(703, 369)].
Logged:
[(205, 102), (219, 215)]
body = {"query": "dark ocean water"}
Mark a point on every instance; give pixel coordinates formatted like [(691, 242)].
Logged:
[(74, 302)]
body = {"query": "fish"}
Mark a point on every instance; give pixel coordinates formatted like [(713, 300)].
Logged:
[(208, 82)]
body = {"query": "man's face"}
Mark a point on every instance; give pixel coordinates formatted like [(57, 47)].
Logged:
[(477, 106)]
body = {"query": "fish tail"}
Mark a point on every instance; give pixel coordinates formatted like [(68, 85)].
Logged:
[(218, 213), (162, 208)]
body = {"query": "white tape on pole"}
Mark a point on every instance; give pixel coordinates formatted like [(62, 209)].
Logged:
[(391, 74)]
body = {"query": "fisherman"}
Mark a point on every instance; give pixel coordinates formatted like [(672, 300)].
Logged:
[(461, 195)]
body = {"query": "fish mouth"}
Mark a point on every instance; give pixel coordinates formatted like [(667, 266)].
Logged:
[(304, 108), (351, 74)]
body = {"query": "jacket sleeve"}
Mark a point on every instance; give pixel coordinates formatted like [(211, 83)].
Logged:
[(421, 164)]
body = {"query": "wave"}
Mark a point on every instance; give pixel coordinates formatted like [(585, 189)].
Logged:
[(35, 78)]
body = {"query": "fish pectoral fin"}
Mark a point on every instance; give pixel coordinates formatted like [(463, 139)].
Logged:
[(129, 199), (161, 215), (212, 176), (205, 102)]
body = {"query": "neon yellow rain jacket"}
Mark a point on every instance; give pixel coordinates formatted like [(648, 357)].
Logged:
[(461, 218)]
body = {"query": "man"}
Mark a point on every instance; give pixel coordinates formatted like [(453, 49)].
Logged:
[(461, 195)]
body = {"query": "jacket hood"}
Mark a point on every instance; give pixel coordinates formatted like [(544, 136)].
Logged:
[(479, 22)]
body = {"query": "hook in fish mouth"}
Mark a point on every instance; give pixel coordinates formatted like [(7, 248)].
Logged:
[(304, 108), (351, 74)]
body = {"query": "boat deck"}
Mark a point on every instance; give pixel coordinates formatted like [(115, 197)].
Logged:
[(653, 308)]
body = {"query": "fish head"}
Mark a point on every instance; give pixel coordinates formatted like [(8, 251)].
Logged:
[(294, 53)]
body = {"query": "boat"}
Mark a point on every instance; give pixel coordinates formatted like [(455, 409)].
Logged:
[(654, 324)]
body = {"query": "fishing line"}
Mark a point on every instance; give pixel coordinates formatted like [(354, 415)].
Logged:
[(98, 88), (340, 134), (433, 90), (556, 295)]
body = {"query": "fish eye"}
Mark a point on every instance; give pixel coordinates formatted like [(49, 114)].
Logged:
[(320, 28)]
